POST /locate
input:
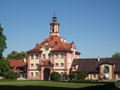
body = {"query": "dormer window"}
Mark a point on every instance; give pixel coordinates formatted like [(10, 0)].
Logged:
[(51, 38), (56, 43), (73, 68)]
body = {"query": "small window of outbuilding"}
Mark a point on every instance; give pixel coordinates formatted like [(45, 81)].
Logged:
[(119, 75), (94, 75)]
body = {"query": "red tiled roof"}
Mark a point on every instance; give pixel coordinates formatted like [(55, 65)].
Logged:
[(17, 63), (19, 71), (55, 42)]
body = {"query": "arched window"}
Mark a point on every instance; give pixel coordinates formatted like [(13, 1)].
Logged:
[(52, 30), (106, 69)]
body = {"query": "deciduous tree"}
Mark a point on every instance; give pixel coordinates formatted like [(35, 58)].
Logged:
[(14, 55), (116, 55), (3, 45)]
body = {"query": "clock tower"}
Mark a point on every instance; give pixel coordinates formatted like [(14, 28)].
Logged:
[(54, 27)]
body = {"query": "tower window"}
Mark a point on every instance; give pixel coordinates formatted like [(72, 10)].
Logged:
[(52, 30), (53, 26)]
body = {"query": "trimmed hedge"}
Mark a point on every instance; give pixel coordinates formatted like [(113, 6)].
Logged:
[(55, 76)]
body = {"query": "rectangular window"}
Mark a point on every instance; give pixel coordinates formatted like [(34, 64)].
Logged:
[(119, 75), (36, 73), (62, 56), (62, 64), (32, 65), (56, 55), (56, 64), (44, 56), (32, 57), (36, 56), (94, 75), (37, 65), (32, 74)]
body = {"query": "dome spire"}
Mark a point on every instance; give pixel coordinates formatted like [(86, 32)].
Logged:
[(54, 13), (54, 16), (54, 26)]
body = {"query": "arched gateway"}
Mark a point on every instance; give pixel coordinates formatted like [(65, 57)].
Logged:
[(46, 73)]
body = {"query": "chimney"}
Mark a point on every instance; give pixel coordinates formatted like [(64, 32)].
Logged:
[(98, 59), (24, 59), (64, 40)]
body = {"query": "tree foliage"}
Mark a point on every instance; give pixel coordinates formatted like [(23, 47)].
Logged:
[(3, 45), (6, 72), (116, 55), (55, 76), (12, 74), (4, 68), (14, 55)]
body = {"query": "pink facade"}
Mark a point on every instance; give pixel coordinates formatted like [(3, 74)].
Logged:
[(52, 55)]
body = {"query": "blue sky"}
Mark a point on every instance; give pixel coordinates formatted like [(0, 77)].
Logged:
[(94, 25)]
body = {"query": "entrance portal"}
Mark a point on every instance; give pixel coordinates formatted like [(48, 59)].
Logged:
[(46, 74)]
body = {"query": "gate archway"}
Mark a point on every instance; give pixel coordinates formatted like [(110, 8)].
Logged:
[(46, 73)]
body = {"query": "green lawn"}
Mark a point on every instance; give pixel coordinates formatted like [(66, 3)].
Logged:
[(31, 85)]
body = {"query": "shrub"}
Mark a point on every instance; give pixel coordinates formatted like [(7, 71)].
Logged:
[(55, 76), (71, 76), (12, 75), (82, 75), (65, 75)]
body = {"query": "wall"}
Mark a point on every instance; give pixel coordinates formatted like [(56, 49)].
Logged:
[(117, 78), (110, 70)]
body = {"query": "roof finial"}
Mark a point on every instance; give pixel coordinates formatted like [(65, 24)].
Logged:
[(54, 13)]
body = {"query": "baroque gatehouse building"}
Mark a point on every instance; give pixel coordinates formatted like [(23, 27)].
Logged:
[(54, 54)]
